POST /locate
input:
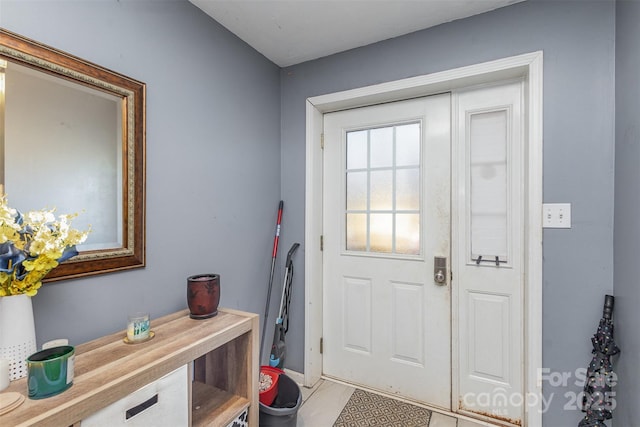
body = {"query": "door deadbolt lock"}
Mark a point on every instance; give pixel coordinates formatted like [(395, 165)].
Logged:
[(440, 270)]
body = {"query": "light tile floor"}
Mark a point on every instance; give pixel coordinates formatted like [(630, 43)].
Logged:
[(322, 404)]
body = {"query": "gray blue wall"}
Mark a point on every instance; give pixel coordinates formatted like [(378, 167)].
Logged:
[(578, 43), (213, 165), (627, 211), (225, 141)]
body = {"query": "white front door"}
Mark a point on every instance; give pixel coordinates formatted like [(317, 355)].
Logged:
[(386, 215)]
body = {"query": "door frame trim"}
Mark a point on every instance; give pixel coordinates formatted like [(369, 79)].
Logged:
[(528, 65)]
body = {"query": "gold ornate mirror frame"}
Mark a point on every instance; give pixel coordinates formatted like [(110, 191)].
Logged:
[(131, 93)]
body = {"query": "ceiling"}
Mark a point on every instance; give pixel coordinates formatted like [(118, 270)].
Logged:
[(293, 31)]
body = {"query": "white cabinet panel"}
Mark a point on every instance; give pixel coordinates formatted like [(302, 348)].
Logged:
[(164, 402)]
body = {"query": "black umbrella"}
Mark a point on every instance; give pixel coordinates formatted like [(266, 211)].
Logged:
[(597, 400)]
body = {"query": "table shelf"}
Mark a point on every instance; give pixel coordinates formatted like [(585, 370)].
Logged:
[(222, 351), (213, 406)]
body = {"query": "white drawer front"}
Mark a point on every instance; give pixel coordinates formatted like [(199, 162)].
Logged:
[(164, 402)]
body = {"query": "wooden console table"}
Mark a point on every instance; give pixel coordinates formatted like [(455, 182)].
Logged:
[(221, 352)]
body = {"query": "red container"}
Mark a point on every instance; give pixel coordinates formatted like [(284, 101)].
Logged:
[(203, 295), (269, 395)]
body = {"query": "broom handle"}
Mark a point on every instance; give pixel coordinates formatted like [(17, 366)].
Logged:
[(274, 254)]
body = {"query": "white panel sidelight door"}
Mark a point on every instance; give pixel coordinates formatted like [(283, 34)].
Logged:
[(488, 230), (386, 215)]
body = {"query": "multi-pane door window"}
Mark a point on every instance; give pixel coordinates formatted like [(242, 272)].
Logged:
[(383, 189)]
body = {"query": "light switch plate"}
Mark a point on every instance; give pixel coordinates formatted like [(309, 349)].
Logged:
[(556, 215)]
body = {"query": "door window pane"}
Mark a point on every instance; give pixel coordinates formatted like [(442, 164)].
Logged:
[(381, 233), (408, 189), (407, 240), (357, 232), (356, 191), (357, 150), (381, 147), (383, 199), (381, 190), (408, 145)]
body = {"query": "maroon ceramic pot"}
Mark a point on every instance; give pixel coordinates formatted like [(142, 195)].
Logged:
[(203, 295)]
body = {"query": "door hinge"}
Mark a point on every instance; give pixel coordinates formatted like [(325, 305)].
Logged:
[(322, 141), (321, 243), (321, 345)]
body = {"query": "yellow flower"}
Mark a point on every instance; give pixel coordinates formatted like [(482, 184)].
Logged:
[(32, 246), (42, 263)]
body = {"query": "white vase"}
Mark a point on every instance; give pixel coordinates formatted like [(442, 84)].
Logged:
[(17, 333)]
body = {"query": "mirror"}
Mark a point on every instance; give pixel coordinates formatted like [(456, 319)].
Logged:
[(73, 138)]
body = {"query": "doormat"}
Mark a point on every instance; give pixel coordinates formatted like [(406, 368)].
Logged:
[(370, 409)]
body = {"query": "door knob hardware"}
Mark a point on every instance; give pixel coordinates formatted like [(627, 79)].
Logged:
[(440, 270)]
